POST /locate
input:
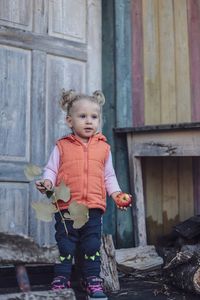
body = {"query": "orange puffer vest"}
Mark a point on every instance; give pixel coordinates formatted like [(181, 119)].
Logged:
[(82, 170)]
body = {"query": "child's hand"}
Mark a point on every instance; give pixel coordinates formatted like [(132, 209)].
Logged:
[(122, 200), (43, 185)]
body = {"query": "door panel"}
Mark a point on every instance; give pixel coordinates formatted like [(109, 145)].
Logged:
[(45, 45)]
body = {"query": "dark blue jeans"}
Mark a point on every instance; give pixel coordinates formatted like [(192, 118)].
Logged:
[(87, 238)]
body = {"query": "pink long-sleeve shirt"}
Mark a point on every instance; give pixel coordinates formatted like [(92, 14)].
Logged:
[(51, 171)]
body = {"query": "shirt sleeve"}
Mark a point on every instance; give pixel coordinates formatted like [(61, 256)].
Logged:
[(51, 168), (111, 182)]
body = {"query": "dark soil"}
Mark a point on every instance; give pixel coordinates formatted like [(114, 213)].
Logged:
[(149, 286)]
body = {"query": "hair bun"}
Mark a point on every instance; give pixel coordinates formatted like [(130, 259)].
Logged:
[(99, 96), (67, 97)]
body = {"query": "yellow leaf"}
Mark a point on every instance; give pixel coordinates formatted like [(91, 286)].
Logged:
[(44, 210), (62, 192), (79, 214), (31, 171)]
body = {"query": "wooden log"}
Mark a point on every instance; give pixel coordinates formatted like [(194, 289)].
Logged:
[(20, 249), (142, 258), (66, 294), (183, 271), (109, 271)]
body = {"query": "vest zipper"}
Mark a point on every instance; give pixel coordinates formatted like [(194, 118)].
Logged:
[(85, 172)]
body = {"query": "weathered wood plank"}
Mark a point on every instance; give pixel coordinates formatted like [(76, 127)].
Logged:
[(109, 271), (66, 294), (40, 16), (16, 13), (14, 210), (183, 97), (52, 45), (152, 101), (137, 64), (170, 194), (193, 7), (186, 193), (69, 19), (123, 109), (138, 258), (20, 249), (167, 61), (14, 62), (94, 46), (139, 215), (123, 62), (124, 229), (153, 197), (108, 86), (194, 51), (138, 211), (168, 144)]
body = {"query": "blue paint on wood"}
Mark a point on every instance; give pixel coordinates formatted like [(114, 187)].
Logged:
[(116, 80)]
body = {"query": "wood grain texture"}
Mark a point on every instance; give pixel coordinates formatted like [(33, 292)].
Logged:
[(138, 209), (108, 86), (194, 50), (193, 7), (167, 144), (170, 194), (94, 46), (183, 97), (16, 14), (186, 201), (152, 62), (52, 45), (68, 19), (123, 62), (153, 172), (167, 61), (137, 64), (40, 16)]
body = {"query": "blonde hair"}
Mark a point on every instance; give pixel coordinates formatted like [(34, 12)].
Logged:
[(69, 97)]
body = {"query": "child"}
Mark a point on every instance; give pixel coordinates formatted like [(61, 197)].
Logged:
[(83, 161)]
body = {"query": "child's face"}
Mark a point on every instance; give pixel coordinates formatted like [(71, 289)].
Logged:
[(84, 119)]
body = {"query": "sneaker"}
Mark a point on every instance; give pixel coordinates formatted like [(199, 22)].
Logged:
[(59, 283), (94, 289)]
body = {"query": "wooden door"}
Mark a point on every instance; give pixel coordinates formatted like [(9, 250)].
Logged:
[(45, 45)]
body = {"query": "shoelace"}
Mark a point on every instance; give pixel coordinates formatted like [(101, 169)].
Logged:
[(95, 288), (57, 287), (59, 284)]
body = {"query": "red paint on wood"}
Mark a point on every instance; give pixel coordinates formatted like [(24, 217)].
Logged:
[(137, 64), (193, 7)]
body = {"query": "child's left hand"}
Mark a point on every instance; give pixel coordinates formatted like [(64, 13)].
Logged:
[(122, 200)]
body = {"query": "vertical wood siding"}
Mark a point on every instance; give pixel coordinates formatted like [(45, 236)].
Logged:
[(166, 56), (193, 7), (137, 64)]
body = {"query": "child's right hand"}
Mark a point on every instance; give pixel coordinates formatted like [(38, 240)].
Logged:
[(43, 185)]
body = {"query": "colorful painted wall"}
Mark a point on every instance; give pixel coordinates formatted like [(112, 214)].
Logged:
[(153, 58), (166, 89)]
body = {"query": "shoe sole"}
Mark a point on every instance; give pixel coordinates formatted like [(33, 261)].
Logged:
[(91, 298)]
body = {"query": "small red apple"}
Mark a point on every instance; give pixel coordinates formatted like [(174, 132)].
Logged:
[(123, 200)]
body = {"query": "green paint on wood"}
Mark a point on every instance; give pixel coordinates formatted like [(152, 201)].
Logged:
[(108, 84), (116, 80)]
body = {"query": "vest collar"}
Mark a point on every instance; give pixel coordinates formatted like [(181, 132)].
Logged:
[(74, 139)]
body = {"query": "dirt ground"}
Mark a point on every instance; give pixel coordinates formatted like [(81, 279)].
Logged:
[(132, 287), (152, 288)]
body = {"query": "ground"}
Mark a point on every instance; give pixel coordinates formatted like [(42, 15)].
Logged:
[(152, 286)]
